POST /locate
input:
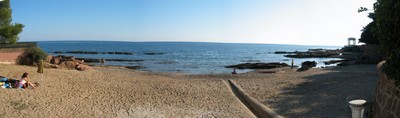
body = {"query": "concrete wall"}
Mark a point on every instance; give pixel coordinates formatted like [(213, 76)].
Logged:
[(387, 97)]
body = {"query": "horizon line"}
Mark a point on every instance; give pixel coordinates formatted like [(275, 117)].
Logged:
[(253, 43)]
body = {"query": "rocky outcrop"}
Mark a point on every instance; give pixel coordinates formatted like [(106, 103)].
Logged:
[(283, 52), (307, 65), (154, 53), (68, 62), (311, 53), (258, 65)]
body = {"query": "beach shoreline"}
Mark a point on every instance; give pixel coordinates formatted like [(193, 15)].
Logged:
[(122, 92)]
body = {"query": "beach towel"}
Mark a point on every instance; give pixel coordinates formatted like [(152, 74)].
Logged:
[(3, 79)]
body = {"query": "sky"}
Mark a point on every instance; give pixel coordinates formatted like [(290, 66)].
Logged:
[(302, 22)]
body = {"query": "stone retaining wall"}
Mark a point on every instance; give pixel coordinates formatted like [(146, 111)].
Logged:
[(10, 55), (387, 97)]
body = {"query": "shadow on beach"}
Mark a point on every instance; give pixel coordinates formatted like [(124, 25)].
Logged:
[(326, 95)]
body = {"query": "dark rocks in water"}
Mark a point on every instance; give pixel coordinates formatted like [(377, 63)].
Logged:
[(311, 53), (134, 67), (307, 65), (154, 53), (57, 52), (283, 52), (119, 53), (92, 52), (258, 65), (82, 52)]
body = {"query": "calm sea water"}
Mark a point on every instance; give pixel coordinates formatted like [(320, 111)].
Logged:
[(185, 57)]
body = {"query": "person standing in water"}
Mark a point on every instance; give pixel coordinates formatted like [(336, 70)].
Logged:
[(234, 71)]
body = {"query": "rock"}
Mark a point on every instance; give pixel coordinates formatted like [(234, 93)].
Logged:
[(307, 65), (49, 65), (124, 53), (93, 52), (82, 52), (55, 60), (319, 53), (258, 65), (68, 64), (153, 53), (67, 58), (283, 52), (82, 67), (49, 57)]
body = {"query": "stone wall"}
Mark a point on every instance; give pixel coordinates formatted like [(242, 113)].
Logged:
[(387, 97), (10, 55)]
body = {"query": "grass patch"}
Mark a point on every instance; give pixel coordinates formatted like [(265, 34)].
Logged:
[(19, 105)]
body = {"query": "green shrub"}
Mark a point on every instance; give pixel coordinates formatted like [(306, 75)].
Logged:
[(33, 55)]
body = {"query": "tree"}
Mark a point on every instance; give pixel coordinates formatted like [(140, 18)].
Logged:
[(8, 31), (368, 36), (388, 32)]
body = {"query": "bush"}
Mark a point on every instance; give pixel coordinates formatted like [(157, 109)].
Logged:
[(33, 55), (388, 32)]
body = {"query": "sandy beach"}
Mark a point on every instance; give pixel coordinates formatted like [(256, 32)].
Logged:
[(121, 92)]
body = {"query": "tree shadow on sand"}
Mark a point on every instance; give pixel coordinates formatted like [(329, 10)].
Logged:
[(327, 94)]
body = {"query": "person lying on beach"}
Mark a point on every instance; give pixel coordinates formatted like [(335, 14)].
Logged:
[(24, 82)]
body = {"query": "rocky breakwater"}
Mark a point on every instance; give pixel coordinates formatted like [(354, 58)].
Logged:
[(92, 52), (258, 65), (311, 53), (307, 65), (68, 62)]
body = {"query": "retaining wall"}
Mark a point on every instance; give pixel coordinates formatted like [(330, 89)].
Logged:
[(11, 55), (387, 97)]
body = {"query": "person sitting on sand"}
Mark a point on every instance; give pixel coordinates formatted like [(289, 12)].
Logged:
[(24, 82)]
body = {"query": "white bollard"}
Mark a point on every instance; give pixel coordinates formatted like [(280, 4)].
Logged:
[(357, 108)]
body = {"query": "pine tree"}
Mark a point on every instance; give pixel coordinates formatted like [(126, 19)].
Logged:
[(8, 31)]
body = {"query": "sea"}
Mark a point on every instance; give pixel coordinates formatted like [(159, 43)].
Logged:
[(183, 57)]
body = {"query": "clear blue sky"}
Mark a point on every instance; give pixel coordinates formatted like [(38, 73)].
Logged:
[(307, 22)]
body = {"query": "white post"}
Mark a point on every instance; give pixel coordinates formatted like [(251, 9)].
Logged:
[(357, 108)]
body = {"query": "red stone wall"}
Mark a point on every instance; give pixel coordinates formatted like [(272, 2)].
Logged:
[(387, 97), (10, 55)]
